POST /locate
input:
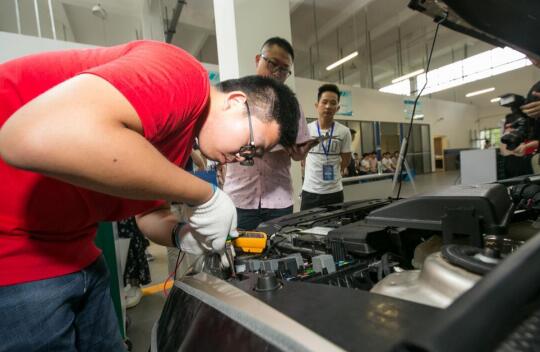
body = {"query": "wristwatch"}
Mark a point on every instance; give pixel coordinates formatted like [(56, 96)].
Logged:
[(175, 232)]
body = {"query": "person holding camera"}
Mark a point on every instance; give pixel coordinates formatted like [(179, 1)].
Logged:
[(521, 131)]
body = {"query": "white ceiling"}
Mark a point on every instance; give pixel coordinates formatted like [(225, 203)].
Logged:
[(322, 31)]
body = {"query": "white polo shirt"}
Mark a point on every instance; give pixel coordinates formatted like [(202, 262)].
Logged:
[(317, 159)]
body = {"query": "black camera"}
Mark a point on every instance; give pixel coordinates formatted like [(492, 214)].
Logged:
[(520, 123)]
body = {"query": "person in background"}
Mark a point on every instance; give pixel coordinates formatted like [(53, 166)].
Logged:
[(326, 162), (520, 161), (136, 271), (364, 164), (386, 161), (532, 108), (373, 163), (356, 157), (264, 191), (394, 159), (352, 167)]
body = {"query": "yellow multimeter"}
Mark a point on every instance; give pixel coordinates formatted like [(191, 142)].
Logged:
[(250, 241)]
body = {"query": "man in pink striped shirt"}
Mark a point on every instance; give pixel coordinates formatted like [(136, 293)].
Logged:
[(264, 191)]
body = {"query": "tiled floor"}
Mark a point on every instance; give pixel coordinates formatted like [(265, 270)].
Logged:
[(144, 315)]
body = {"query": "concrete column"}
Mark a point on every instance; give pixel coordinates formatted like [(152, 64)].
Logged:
[(152, 20), (242, 26)]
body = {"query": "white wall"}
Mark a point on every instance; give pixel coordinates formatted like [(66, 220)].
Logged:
[(15, 45)]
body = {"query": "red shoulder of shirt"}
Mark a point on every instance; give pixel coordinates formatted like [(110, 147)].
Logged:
[(166, 85)]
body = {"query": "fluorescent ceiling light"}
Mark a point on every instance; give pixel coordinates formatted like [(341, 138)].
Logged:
[(419, 116), (342, 61), (408, 75), (478, 92), (400, 88), (495, 100)]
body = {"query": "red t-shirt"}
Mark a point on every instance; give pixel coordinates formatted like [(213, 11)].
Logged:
[(47, 227)]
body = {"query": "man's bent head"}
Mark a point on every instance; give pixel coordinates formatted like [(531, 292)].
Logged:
[(248, 116)]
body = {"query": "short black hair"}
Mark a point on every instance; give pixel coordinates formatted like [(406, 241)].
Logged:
[(282, 43), (328, 88), (269, 100)]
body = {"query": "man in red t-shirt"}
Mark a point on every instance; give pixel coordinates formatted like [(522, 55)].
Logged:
[(99, 134)]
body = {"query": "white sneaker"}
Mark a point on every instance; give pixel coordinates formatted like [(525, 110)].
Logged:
[(149, 256), (133, 295)]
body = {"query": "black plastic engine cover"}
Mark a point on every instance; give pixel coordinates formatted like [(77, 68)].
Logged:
[(358, 238), (349, 212), (490, 204)]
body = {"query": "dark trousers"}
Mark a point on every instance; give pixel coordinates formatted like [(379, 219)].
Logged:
[(72, 312), (313, 200), (249, 219)]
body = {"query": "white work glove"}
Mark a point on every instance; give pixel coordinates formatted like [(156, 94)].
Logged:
[(192, 243), (188, 243), (210, 223)]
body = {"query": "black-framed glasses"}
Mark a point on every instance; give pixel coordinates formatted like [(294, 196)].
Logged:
[(274, 67), (249, 151)]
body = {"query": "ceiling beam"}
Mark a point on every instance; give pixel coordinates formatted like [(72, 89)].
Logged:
[(337, 21), (294, 4), (173, 21), (383, 28), (387, 26), (64, 15), (199, 45)]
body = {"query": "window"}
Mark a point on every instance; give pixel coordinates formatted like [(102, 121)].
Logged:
[(493, 134), (489, 63)]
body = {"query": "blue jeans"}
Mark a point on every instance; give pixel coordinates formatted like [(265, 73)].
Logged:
[(249, 219), (73, 312)]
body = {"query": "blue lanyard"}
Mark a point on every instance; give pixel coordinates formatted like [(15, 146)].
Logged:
[(326, 150)]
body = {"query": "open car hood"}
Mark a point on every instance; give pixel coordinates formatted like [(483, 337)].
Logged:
[(513, 23)]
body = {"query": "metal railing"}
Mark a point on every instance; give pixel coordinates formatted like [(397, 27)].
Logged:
[(37, 17)]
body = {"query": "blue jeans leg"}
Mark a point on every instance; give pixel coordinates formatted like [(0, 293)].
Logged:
[(72, 312)]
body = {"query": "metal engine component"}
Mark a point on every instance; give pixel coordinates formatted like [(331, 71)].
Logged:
[(325, 262), (438, 284)]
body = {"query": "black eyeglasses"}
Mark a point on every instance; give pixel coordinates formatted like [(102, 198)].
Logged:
[(248, 152), (276, 68)]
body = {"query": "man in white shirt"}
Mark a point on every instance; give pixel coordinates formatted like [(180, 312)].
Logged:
[(395, 158), (326, 162), (387, 163), (365, 164)]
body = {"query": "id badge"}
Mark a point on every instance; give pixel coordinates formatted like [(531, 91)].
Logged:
[(328, 172)]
